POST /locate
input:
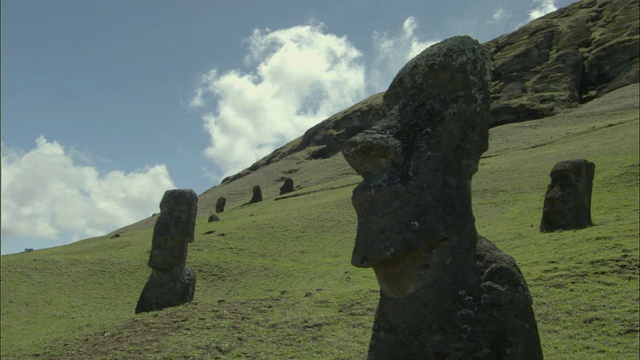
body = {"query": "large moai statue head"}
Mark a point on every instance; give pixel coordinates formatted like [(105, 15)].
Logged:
[(417, 163), (445, 292), (567, 202), (174, 229)]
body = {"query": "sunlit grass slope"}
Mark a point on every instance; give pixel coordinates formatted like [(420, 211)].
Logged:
[(274, 279)]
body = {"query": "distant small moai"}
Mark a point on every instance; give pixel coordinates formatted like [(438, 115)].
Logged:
[(171, 282), (445, 291), (287, 187), (567, 202), (220, 203), (257, 195)]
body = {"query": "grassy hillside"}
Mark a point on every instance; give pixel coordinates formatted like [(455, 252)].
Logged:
[(274, 279)]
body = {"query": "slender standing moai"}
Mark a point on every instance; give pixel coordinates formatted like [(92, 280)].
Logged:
[(171, 282), (445, 291), (257, 194), (567, 202), (220, 204)]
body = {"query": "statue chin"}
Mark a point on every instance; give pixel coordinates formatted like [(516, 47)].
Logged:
[(403, 275)]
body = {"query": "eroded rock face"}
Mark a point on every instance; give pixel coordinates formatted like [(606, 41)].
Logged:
[(446, 293), (564, 59), (567, 202), (171, 282)]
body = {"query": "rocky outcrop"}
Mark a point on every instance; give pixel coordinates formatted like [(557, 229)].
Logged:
[(171, 282), (446, 293), (567, 202), (563, 59)]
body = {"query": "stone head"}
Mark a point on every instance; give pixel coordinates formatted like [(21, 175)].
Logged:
[(417, 163), (174, 228), (567, 203)]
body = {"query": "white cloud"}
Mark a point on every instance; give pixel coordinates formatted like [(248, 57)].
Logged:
[(541, 8), (46, 195), (392, 53), (500, 15), (301, 76)]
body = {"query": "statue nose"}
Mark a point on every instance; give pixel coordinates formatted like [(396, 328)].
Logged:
[(372, 155)]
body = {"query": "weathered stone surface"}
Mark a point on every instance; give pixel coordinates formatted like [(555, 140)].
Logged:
[(173, 229), (417, 163), (446, 293), (257, 195), (171, 283), (567, 202), (563, 59), (220, 204), (167, 288), (213, 217), (287, 187)]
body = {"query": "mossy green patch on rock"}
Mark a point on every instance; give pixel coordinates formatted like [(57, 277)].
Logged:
[(563, 59)]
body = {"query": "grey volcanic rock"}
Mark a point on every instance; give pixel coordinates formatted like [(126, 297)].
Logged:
[(171, 282), (257, 195), (213, 217), (446, 293), (567, 202), (287, 187), (220, 204)]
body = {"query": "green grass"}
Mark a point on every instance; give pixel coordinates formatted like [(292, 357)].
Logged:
[(274, 279)]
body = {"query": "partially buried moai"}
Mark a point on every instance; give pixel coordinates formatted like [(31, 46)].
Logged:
[(220, 204), (257, 194), (567, 202), (171, 282), (446, 292), (287, 186)]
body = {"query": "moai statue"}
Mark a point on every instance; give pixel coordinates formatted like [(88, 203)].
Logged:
[(220, 204), (445, 291), (257, 195), (567, 203), (171, 282), (287, 187)]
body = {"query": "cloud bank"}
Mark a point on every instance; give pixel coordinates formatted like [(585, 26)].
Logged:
[(541, 8), (46, 195), (391, 53), (298, 77)]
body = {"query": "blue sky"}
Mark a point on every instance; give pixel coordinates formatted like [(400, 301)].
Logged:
[(107, 104)]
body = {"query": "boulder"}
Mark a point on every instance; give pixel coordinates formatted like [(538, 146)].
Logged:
[(213, 217), (445, 291), (567, 202)]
